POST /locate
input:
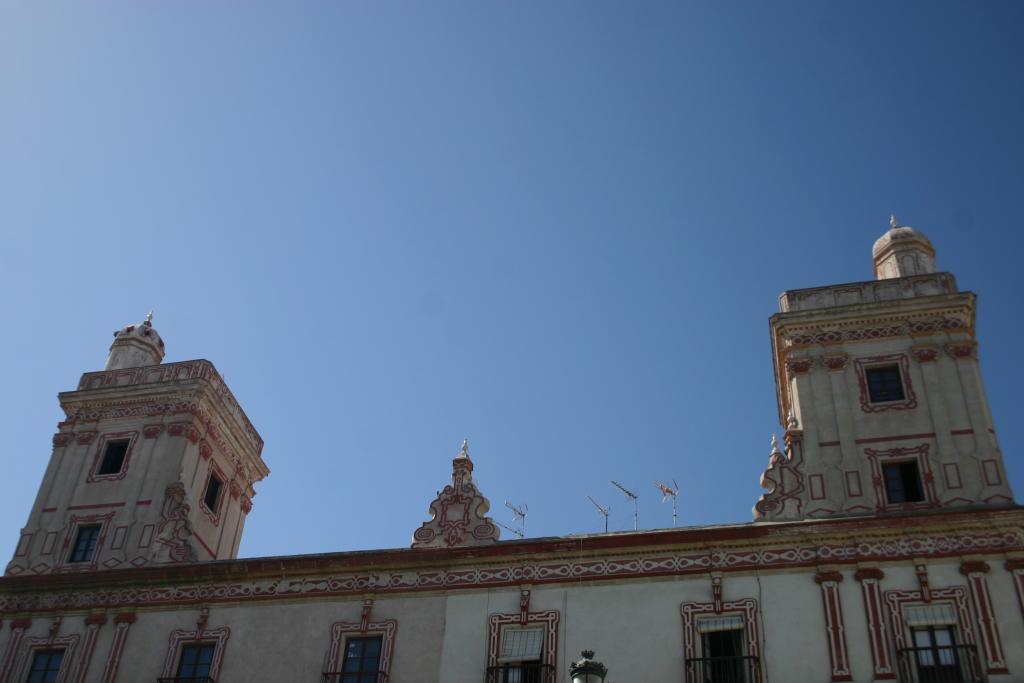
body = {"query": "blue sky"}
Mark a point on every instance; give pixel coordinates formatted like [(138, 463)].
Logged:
[(557, 229)]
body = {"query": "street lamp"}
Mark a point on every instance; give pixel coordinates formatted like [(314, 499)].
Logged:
[(587, 670)]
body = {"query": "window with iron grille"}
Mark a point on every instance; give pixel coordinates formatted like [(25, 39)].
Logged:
[(85, 543), (45, 666)]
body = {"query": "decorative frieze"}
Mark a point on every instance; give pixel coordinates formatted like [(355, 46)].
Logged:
[(925, 354)]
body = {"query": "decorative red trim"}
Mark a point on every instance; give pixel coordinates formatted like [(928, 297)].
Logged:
[(152, 431), (61, 439), (691, 612), (901, 437), (826, 444), (93, 623), (924, 354), (219, 636), (819, 337), (143, 502), (246, 504), (1016, 568), (96, 506), (961, 432), (716, 592), (101, 447), (203, 543), (498, 622), (861, 365), (878, 637), (22, 623), (205, 449), (921, 570), (185, 429), (123, 622), (798, 366), (835, 626), (49, 509), (983, 611), (960, 350), (85, 438), (18, 627), (836, 362), (340, 631)]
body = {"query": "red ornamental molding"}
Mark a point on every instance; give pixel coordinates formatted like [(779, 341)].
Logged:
[(968, 568), (246, 504), (20, 623), (835, 625), (798, 366), (878, 637), (152, 431), (987, 626), (957, 595), (123, 622), (93, 623), (205, 450), (1016, 568), (835, 363), (235, 490), (61, 439), (97, 619), (866, 573), (962, 349), (18, 671), (818, 337), (716, 593), (93, 477), (219, 636), (1014, 564), (925, 354), (457, 514), (184, 429), (922, 581), (85, 438)]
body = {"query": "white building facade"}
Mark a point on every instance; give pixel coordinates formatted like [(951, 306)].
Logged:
[(886, 547)]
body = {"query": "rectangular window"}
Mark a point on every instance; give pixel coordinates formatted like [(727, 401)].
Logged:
[(45, 666), (902, 482), (884, 384), (113, 457), (194, 665), (85, 543), (213, 489), (362, 660), (936, 655)]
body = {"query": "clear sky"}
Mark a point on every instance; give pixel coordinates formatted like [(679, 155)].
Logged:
[(555, 228)]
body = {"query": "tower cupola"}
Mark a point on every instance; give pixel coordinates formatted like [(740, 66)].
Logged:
[(902, 252), (136, 346)]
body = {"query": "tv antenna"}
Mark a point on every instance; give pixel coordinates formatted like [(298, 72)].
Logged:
[(506, 527), (519, 513), (632, 496), (669, 492), (601, 510)]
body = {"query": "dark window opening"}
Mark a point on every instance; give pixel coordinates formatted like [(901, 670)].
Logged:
[(213, 489), (885, 384), (85, 543), (362, 660), (937, 656), (45, 666), (195, 663), (724, 659), (113, 457), (902, 482)]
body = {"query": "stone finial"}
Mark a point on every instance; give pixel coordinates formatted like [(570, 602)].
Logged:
[(136, 346), (791, 421), (458, 513), (775, 444), (893, 223)]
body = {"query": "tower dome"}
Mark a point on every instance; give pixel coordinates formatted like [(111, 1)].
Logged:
[(902, 252), (136, 346)]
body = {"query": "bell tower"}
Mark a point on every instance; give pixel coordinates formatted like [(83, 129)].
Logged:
[(154, 463), (880, 394)]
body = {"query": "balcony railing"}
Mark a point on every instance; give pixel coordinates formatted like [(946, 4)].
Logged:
[(521, 672), (351, 677), (187, 679), (723, 670), (945, 664)]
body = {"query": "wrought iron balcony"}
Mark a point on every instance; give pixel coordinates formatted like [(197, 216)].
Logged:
[(521, 672), (723, 670), (940, 664), (353, 677)]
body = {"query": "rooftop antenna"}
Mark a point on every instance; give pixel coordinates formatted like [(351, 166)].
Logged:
[(601, 510), (633, 497), (517, 532), (520, 515), (669, 492)]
